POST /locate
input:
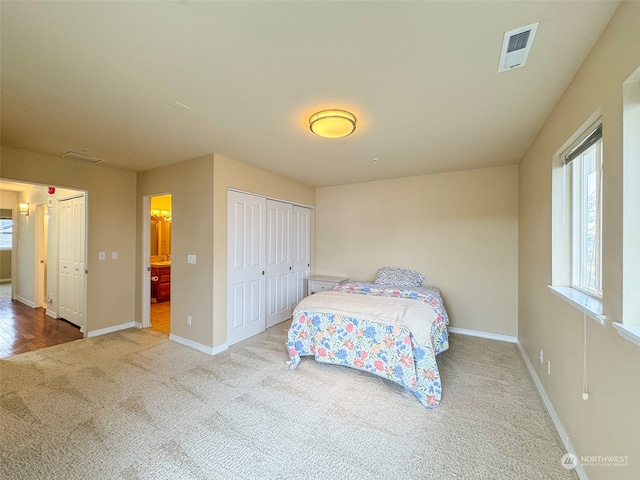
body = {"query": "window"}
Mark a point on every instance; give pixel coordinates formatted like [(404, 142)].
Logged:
[(577, 219), (630, 326), (6, 230), (585, 164)]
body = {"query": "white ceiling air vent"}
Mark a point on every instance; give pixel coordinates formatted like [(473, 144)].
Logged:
[(83, 157), (516, 46)]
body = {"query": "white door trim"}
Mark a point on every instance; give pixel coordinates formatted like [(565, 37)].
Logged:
[(85, 227), (40, 258), (146, 261)]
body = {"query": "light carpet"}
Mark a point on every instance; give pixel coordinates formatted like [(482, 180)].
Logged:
[(134, 405)]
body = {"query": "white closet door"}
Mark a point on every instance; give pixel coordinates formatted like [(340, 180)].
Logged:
[(278, 262), (301, 255), (246, 266), (72, 262)]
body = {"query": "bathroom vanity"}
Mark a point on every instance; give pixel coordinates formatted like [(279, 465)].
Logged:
[(160, 281)]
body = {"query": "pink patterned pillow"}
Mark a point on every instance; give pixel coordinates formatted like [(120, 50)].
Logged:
[(398, 277)]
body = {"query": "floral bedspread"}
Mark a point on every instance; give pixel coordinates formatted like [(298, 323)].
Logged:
[(385, 350), (429, 295)]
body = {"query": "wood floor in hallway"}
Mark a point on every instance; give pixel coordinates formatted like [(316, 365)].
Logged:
[(24, 329)]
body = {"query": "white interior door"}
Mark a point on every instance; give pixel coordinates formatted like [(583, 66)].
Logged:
[(72, 261), (279, 263), (40, 276), (246, 269), (301, 254)]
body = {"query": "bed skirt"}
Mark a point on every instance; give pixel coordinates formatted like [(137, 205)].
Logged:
[(388, 351)]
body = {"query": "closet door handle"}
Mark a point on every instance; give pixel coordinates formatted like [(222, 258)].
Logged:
[(289, 268), (263, 272)]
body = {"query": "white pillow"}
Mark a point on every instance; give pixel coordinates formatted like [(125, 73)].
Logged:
[(398, 277)]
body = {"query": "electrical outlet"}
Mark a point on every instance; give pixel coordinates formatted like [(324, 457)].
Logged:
[(188, 319), (541, 356), (101, 256), (549, 367)]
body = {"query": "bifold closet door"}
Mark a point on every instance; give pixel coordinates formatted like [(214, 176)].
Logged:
[(279, 263), (301, 255), (246, 271), (268, 249), (71, 244)]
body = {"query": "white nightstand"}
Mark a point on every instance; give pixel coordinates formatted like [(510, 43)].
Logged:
[(318, 283)]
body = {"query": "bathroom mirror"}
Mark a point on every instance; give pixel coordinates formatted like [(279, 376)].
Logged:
[(160, 238), (154, 237)]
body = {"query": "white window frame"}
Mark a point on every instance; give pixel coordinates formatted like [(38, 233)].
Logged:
[(2, 247), (564, 243), (629, 328), (582, 260)]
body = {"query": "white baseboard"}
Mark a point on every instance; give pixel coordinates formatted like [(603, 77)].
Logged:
[(552, 413), (51, 313), (28, 303), (137, 324), (198, 346), (115, 328), (478, 333)]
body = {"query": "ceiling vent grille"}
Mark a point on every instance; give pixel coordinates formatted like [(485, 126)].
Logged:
[(83, 157), (516, 46)]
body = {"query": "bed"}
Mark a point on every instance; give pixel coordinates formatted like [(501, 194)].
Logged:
[(391, 330)]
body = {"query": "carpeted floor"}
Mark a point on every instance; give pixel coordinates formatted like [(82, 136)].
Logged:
[(132, 404)]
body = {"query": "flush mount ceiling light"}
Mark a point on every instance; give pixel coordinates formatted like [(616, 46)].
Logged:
[(332, 123)]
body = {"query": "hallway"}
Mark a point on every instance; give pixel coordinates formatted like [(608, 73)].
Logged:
[(24, 329)]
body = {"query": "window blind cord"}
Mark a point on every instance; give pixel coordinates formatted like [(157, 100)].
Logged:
[(585, 386), (564, 195)]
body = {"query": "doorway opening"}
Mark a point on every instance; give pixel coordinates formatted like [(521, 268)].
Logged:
[(41, 302), (160, 263)]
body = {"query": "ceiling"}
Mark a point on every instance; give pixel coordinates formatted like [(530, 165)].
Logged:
[(421, 77), (7, 186)]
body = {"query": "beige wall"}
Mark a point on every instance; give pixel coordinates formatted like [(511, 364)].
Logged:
[(111, 226), (5, 265), (229, 173), (190, 185), (199, 226), (609, 422), (458, 229)]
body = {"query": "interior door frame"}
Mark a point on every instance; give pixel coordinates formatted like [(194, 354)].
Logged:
[(145, 264), (84, 327), (146, 261), (40, 258)]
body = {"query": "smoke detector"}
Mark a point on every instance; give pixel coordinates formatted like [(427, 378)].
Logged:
[(516, 46)]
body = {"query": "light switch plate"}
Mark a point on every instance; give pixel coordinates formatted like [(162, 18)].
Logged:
[(114, 255), (191, 259)]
